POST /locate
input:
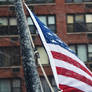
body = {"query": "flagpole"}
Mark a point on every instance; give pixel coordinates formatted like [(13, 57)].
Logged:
[(30, 72)]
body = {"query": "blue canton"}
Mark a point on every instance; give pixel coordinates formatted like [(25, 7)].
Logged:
[(51, 37)]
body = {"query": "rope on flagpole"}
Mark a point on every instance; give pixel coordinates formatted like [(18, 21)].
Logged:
[(43, 71)]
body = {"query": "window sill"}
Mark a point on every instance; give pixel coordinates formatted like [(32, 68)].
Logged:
[(80, 33), (10, 67), (73, 3), (3, 5), (79, 3), (41, 4), (9, 36)]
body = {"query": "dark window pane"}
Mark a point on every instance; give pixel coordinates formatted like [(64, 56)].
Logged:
[(50, 1), (16, 90), (5, 30), (79, 27), (16, 85), (68, 1), (89, 27), (90, 52), (70, 28), (77, 1), (45, 85), (40, 1), (87, 0), (52, 27), (32, 29), (9, 56), (90, 58), (13, 30)]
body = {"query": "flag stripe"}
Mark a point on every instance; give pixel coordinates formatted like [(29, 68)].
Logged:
[(69, 73), (58, 48), (61, 56), (68, 66), (68, 81), (69, 89)]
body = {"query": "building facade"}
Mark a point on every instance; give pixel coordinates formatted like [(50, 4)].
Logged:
[(71, 20)]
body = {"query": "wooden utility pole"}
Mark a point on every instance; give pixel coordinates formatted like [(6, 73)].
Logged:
[(30, 72)]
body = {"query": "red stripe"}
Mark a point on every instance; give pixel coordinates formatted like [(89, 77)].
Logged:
[(69, 73), (68, 89), (65, 58)]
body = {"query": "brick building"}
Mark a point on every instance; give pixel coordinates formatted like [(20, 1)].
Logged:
[(71, 20)]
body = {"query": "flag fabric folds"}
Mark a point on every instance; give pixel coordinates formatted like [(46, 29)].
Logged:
[(70, 72)]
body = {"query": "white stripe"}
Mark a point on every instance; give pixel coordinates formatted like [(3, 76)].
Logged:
[(63, 80), (59, 49), (68, 66)]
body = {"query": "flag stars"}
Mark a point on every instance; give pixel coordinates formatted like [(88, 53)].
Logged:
[(50, 34), (53, 41), (46, 27)]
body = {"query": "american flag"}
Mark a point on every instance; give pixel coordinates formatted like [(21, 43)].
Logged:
[(70, 72)]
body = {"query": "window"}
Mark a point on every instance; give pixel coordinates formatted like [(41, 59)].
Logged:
[(12, 85), (81, 52), (70, 21), (79, 23), (43, 56), (3, 21), (9, 56), (68, 1), (84, 52), (40, 1), (45, 86), (89, 22), (8, 26), (53, 83), (16, 85), (77, 1), (31, 25), (48, 20), (90, 52)]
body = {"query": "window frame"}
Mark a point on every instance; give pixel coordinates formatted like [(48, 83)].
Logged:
[(48, 22), (76, 50), (9, 27), (47, 16), (14, 63), (11, 82), (85, 23)]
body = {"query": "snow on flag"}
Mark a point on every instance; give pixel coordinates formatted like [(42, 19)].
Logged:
[(70, 72)]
